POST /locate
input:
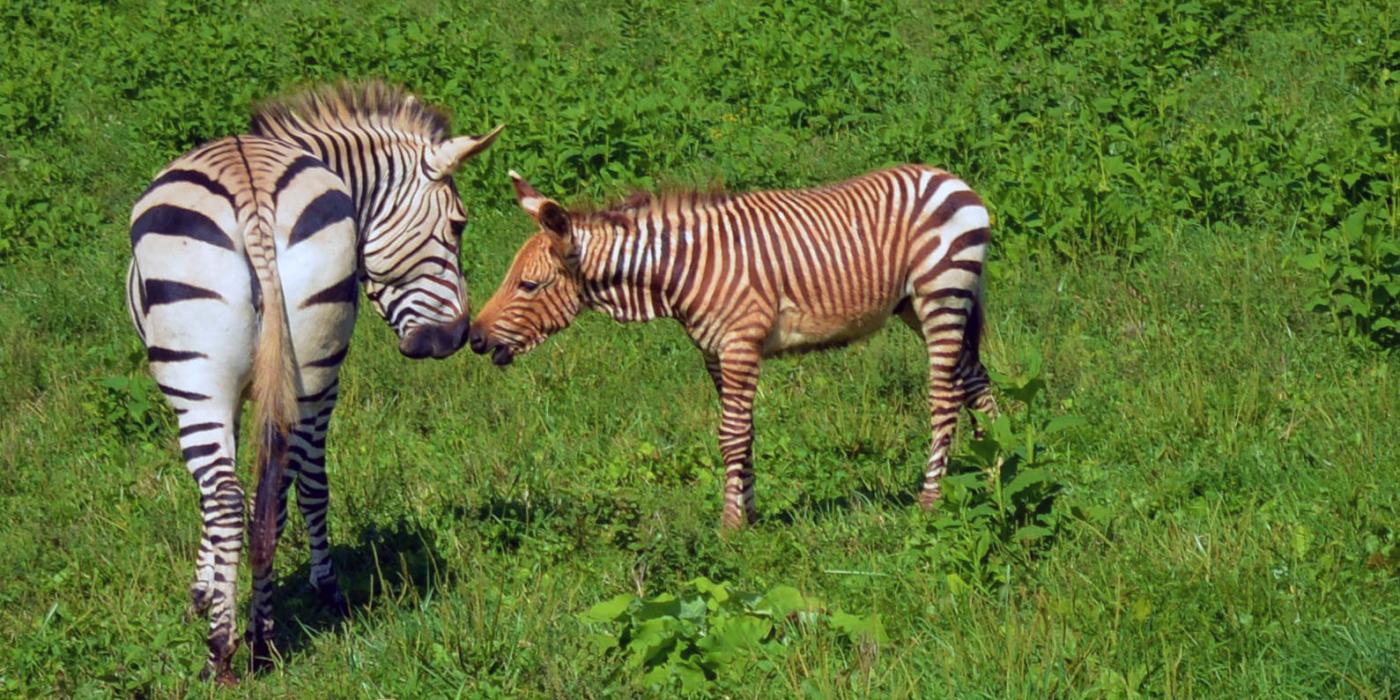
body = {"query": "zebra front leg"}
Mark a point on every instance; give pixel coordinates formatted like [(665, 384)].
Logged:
[(738, 382), (207, 444), (943, 329)]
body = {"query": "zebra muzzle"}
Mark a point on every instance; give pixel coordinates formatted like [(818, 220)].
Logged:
[(436, 341), (501, 354)]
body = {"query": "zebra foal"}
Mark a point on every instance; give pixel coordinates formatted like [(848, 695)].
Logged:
[(763, 273), (247, 258)]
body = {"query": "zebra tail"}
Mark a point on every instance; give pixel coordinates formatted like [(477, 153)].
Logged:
[(274, 402)]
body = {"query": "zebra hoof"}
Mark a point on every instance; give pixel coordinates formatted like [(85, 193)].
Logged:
[(224, 676), (220, 672)]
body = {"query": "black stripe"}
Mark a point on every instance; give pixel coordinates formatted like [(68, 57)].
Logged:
[(193, 177), (169, 291), (953, 292), (159, 354), (332, 360), (178, 394), (332, 206), (343, 292), (171, 220), (198, 451), (322, 394), (198, 427), (968, 239), (298, 165), (254, 288)]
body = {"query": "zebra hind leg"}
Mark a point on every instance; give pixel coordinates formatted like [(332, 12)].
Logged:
[(313, 498), (977, 393), (260, 625), (207, 444)]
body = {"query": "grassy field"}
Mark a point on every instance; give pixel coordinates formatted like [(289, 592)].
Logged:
[(1196, 230)]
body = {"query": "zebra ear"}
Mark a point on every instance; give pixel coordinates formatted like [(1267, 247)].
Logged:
[(443, 158), (545, 211)]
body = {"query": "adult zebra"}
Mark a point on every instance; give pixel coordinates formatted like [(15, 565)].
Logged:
[(757, 274), (247, 254)]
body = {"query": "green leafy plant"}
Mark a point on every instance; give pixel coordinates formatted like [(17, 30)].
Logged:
[(712, 635), (129, 408), (1357, 265), (1003, 508)]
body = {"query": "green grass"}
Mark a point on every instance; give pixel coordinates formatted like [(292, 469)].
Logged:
[(1229, 502)]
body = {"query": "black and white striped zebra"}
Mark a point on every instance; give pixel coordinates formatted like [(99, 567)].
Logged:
[(247, 257)]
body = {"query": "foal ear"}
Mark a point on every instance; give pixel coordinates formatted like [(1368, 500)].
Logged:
[(545, 211), (441, 159)]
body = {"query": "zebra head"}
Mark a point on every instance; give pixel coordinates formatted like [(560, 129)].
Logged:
[(541, 293), (409, 252)]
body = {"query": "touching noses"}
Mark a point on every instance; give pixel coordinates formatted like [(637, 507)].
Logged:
[(477, 339), (437, 341)]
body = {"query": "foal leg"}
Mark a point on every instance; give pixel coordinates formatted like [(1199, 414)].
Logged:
[(977, 391), (738, 382), (942, 320)]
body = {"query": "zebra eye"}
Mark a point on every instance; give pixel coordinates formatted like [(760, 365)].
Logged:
[(528, 286)]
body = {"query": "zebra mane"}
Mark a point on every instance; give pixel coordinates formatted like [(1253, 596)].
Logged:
[(619, 210), (332, 107)]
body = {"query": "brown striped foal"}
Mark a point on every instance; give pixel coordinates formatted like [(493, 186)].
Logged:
[(759, 274)]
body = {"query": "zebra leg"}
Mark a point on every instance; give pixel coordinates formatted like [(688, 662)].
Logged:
[(712, 366), (942, 323), (313, 496), (738, 380), (260, 625), (207, 444)]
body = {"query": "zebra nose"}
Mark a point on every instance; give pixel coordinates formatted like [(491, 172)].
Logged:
[(436, 341), (477, 339)]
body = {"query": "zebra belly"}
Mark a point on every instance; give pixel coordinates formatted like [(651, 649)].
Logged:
[(801, 330)]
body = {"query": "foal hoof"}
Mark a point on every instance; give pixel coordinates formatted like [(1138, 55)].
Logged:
[(734, 521), (929, 497)]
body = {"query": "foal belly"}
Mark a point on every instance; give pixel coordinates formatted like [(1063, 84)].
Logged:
[(799, 330)]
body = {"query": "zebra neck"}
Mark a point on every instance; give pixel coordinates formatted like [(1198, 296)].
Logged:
[(621, 271), (373, 167)]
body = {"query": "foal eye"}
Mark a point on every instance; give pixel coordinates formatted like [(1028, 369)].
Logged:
[(528, 286)]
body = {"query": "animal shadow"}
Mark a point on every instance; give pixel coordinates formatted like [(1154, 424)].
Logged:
[(385, 565)]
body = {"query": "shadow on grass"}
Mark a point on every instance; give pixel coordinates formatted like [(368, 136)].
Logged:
[(385, 566), (810, 510)]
